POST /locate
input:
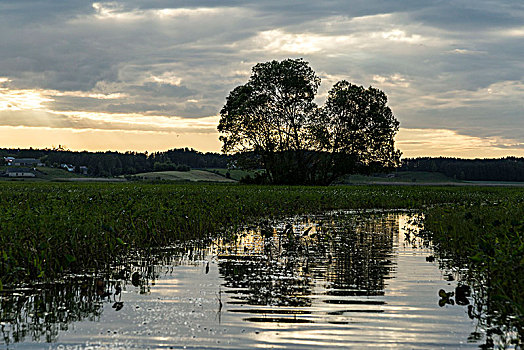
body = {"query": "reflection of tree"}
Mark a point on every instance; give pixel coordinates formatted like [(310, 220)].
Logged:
[(40, 312), (362, 255), (273, 266), (265, 281), (283, 262)]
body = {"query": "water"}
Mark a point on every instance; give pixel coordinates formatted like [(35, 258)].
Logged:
[(334, 281)]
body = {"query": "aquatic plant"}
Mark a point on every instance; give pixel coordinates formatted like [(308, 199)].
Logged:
[(488, 240), (49, 228)]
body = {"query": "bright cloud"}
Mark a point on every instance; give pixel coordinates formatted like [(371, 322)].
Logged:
[(16, 100), (400, 35)]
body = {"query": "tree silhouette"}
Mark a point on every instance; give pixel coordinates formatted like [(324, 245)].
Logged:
[(357, 128), (274, 119)]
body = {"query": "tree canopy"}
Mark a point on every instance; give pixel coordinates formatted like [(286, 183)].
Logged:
[(274, 119), (273, 110)]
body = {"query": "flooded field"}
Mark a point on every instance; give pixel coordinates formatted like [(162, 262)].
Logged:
[(344, 279)]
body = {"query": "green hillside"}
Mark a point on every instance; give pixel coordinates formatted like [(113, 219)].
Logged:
[(192, 175)]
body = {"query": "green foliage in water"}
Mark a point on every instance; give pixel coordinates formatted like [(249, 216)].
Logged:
[(46, 228), (488, 239)]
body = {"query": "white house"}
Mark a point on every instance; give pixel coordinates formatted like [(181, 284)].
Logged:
[(68, 167), (26, 162), (20, 172)]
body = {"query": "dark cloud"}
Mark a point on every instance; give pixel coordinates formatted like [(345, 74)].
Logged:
[(162, 90), (471, 15)]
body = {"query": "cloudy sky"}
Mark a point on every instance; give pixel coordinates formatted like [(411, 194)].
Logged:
[(153, 75)]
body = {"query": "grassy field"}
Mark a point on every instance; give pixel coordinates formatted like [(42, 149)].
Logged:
[(48, 227), (234, 174), (399, 177), (192, 175), (45, 174)]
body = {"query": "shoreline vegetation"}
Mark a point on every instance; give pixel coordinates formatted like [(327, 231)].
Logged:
[(486, 239), (48, 229)]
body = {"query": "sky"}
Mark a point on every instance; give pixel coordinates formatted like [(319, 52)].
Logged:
[(153, 75)]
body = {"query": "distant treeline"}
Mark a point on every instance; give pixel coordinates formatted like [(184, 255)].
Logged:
[(503, 169), (117, 163), (183, 159)]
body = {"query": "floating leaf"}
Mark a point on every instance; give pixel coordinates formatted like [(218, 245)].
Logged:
[(477, 257)]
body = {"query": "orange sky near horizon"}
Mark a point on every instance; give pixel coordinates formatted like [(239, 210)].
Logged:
[(412, 142)]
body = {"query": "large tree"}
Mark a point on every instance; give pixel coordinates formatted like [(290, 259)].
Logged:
[(274, 118), (270, 115)]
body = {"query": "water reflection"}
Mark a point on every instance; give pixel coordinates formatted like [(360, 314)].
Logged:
[(290, 263), (326, 274), (42, 311), (39, 313)]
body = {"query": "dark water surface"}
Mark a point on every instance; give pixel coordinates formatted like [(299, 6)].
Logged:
[(334, 281)]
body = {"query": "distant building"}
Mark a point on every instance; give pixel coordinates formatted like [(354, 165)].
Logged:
[(9, 160), (83, 170), (26, 162), (20, 172), (68, 167)]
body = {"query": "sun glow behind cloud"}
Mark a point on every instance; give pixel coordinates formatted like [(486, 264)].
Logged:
[(16, 100), (117, 131), (109, 130), (103, 140)]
